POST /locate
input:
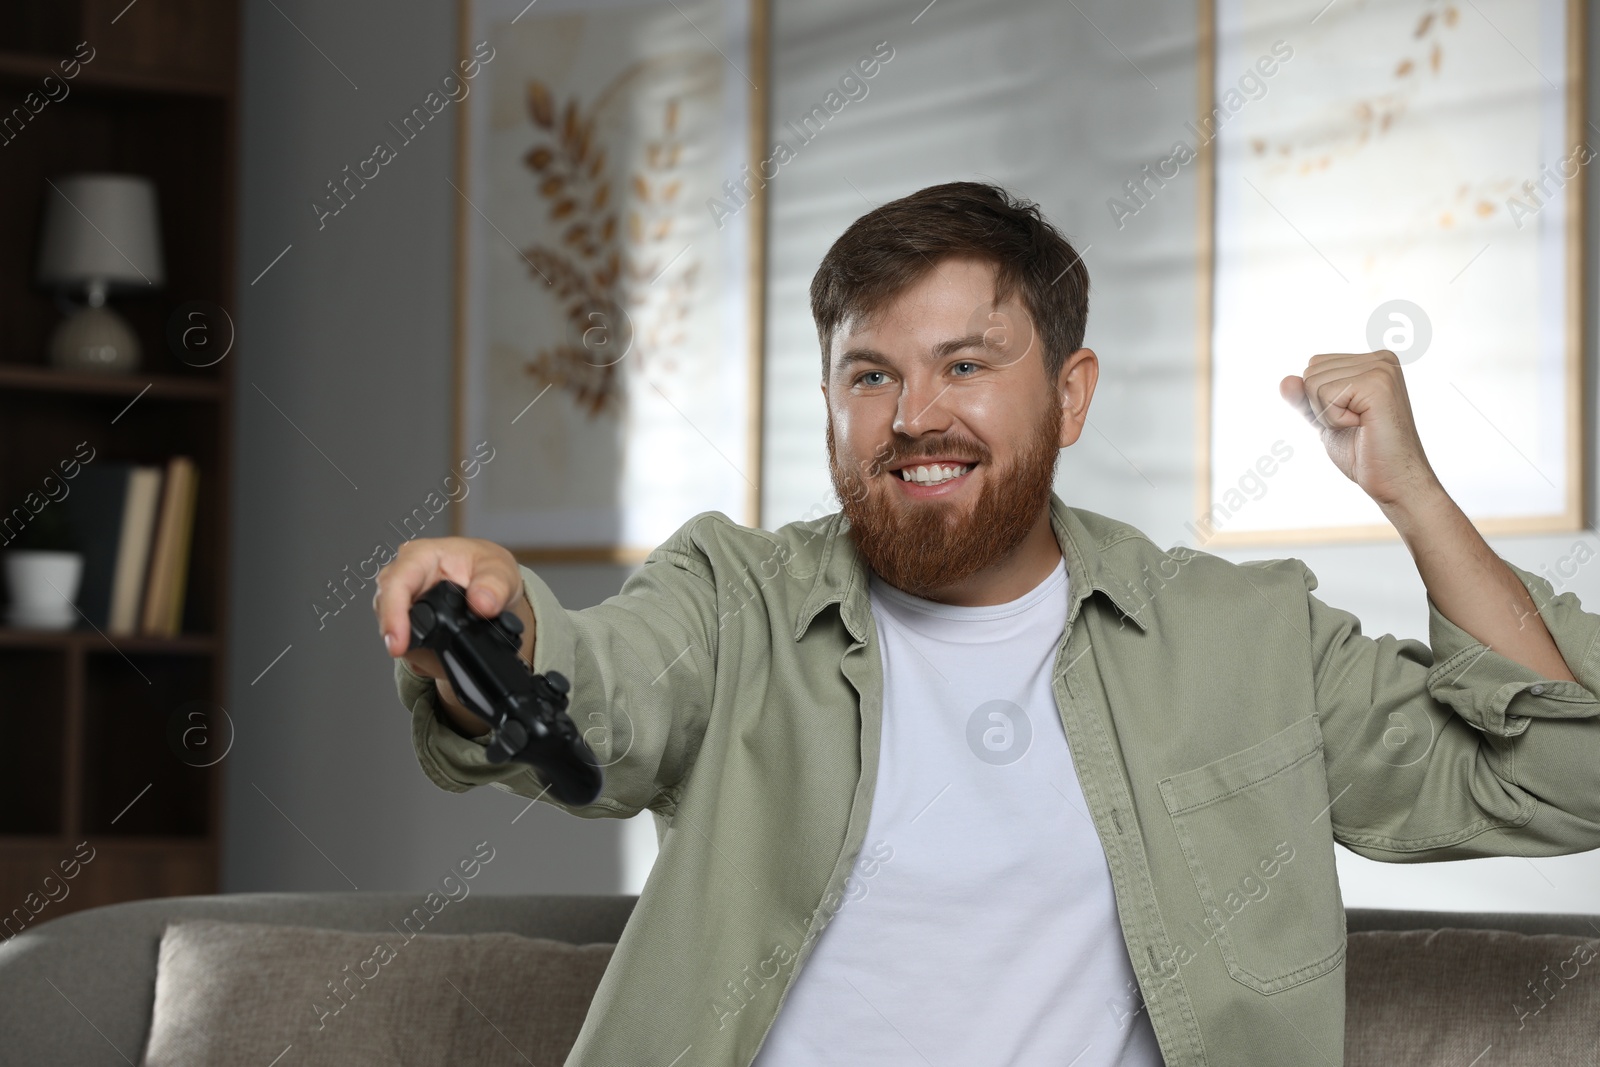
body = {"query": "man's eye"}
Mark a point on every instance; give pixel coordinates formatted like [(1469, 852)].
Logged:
[(967, 363), (861, 380)]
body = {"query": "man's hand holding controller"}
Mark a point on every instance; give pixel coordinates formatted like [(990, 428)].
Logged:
[(493, 581)]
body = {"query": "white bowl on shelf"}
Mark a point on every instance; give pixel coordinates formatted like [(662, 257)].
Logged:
[(43, 587)]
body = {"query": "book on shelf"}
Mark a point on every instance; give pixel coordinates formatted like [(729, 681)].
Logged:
[(169, 555), (134, 525)]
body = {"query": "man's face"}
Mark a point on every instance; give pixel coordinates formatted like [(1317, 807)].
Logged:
[(943, 375)]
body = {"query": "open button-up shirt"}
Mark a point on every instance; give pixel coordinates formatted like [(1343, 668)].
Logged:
[(1226, 726)]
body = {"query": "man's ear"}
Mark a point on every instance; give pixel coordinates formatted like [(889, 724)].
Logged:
[(1075, 387)]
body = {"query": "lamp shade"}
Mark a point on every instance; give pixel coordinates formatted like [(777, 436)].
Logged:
[(101, 229)]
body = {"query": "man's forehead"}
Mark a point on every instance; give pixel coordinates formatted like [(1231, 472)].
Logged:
[(950, 291)]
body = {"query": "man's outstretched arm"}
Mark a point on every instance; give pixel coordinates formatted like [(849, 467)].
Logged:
[(1359, 403), (644, 724), (1485, 741)]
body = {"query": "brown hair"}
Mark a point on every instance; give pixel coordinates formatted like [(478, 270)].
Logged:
[(895, 245)]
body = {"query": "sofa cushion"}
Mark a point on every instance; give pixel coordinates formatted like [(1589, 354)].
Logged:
[(1446, 997), (236, 992)]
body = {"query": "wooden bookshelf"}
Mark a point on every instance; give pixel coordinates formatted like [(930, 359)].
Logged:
[(88, 719)]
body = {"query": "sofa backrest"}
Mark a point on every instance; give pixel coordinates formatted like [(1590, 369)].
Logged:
[(79, 989), (1446, 991)]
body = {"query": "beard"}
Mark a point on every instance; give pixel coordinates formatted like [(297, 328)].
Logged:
[(923, 546)]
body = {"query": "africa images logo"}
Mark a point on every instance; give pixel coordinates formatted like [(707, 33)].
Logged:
[(999, 732)]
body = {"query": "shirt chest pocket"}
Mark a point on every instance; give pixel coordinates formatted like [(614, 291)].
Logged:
[(1255, 833)]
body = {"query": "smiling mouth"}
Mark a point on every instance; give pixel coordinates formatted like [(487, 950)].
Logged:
[(933, 475)]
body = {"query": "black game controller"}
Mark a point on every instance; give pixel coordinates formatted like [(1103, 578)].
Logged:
[(526, 712)]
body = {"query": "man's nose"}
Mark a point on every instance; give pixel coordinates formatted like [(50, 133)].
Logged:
[(921, 407)]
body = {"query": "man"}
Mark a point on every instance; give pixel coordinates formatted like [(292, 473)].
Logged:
[(959, 774)]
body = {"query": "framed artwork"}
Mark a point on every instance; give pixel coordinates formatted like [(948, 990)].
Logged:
[(609, 271), (1394, 175)]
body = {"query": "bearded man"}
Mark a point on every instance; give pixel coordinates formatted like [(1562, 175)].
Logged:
[(961, 774)]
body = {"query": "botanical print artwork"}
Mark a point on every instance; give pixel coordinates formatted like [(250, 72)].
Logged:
[(602, 270), (606, 340), (1395, 184)]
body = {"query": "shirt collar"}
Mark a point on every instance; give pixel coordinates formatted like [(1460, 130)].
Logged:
[(841, 575)]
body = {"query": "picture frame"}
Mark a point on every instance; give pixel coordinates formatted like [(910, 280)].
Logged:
[(1343, 199), (609, 271)]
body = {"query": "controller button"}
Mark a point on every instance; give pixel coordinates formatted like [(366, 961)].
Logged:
[(509, 620), (422, 619), (558, 682), (513, 736)]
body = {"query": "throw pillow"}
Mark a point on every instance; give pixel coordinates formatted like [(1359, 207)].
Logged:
[(235, 992)]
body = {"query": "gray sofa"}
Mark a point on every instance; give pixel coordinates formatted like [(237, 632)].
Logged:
[(79, 989)]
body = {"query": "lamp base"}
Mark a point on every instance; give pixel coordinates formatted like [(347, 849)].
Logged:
[(95, 339)]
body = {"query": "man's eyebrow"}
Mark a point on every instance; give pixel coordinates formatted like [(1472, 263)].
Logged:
[(851, 356)]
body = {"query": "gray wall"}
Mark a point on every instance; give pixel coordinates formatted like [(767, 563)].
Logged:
[(350, 335)]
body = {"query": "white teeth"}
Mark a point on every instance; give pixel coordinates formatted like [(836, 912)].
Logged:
[(936, 474)]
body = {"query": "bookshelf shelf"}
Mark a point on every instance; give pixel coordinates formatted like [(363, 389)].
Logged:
[(118, 869), (159, 386), (123, 843), (30, 68), (94, 722), (94, 643)]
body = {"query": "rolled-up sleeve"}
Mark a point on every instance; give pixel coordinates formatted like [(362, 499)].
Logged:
[(642, 668), (1500, 696), (1450, 750)]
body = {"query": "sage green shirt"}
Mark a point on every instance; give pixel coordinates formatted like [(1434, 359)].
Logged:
[(1227, 728)]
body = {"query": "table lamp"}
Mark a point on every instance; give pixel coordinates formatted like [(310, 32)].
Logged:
[(101, 236)]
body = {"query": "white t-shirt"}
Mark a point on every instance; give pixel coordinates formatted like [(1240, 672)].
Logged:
[(979, 927)]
